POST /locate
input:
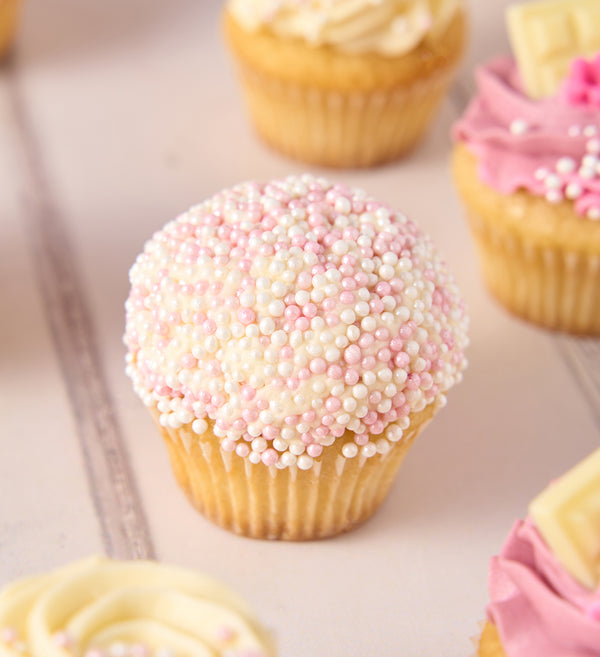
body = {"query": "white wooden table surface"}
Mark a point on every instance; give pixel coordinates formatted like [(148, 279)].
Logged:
[(114, 116)]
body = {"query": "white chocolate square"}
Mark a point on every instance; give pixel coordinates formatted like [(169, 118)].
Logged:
[(567, 515), (547, 35)]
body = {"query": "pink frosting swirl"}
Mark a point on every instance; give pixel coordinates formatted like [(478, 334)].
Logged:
[(548, 147), (538, 608)]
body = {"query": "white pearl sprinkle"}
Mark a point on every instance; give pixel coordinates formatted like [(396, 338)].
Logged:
[(368, 324), (589, 161), (383, 446), (340, 247), (332, 354), (566, 165), (341, 342), (369, 450), (593, 146), (553, 181), (305, 462), (394, 433), (369, 378), (387, 272), (573, 191), (348, 316), (267, 326), (343, 205), (350, 450), (288, 459), (302, 297), (297, 447), (519, 127), (254, 458), (360, 391), (247, 299), (350, 404)]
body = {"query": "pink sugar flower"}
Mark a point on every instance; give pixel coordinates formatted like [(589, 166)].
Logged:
[(582, 85)]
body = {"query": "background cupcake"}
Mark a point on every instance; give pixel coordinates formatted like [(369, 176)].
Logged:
[(9, 16), (291, 340), (527, 170), (103, 608), (544, 584), (344, 83)]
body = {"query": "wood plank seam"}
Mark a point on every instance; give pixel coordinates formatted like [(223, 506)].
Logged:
[(582, 357), (113, 490)]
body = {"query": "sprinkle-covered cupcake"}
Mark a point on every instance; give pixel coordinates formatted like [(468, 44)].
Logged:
[(291, 339), (344, 83), (9, 17), (545, 583), (528, 172), (103, 608)]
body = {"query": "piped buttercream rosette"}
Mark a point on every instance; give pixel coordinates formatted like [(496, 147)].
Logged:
[(386, 27), (103, 608)]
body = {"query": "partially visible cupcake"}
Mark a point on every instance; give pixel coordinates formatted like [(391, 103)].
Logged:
[(9, 17), (291, 339), (344, 83), (528, 173), (103, 608), (545, 583)]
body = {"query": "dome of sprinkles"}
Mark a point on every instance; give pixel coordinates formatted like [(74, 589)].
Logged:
[(288, 315)]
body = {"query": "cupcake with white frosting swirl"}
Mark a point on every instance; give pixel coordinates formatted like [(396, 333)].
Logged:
[(291, 339), (103, 608), (344, 83)]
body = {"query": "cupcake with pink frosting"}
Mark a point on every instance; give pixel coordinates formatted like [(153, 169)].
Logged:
[(291, 339), (536, 608), (545, 584), (528, 173)]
